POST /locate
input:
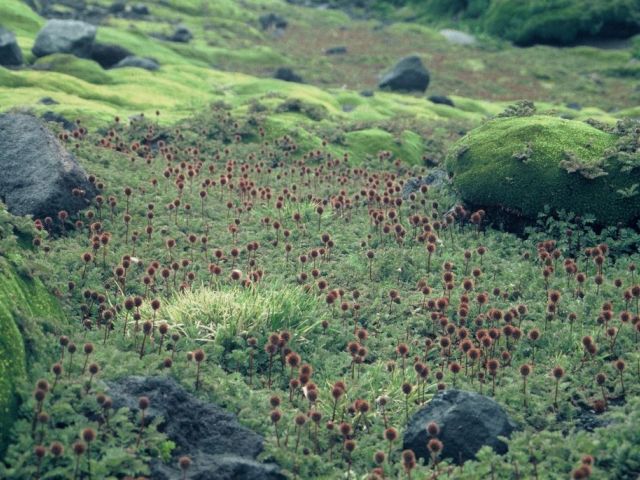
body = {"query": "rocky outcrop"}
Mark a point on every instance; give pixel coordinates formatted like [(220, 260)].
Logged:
[(65, 36), (219, 447), (40, 177), (10, 53)]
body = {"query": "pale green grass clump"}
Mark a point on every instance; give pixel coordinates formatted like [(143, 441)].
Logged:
[(219, 315)]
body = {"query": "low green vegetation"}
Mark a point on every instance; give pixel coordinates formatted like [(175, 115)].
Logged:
[(23, 300), (319, 267), (322, 261)]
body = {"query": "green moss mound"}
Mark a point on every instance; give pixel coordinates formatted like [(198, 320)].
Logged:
[(86, 70), (561, 22), (24, 297), (523, 164)]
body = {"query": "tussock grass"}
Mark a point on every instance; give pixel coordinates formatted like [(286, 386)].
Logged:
[(207, 314)]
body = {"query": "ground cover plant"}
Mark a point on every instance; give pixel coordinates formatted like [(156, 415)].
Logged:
[(320, 304), (319, 262)]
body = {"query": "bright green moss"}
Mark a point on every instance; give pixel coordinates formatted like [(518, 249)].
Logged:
[(26, 297), (19, 18), (86, 70), (369, 142), (560, 21), (517, 164)]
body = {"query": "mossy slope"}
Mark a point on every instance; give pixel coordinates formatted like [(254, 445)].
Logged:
[(521, 164), (26, 297)]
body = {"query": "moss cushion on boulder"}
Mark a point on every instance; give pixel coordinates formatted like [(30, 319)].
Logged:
[(521, 164)]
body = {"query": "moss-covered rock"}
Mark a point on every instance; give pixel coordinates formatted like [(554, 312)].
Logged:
[(26, 297), (562, 22), (523, 163)]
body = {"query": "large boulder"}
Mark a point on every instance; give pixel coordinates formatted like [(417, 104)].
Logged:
[(219, 447), (40, 177), (10, 53), (408, 75), (138, 62), (65, 36), (108, 55), (468, 421), (521, 164)]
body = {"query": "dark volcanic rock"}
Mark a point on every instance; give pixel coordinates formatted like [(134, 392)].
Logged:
[(57, 118), (288, 75), (138, 62), (118, 7), (408, 75), (140, 9), (468, 421), (336, 51), (108, 55), (181, 35), (48, 101), (65, 36), (39, 174), (273, 20), (441, 100), (10, 53), (220, 448)]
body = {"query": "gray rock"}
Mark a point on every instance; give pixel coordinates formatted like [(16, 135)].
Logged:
[(367, 93), (48, 101), (65, 36), (118, 7), (409, 74), (108, 55), (574, 106), (456, 37), (436, 178), (219, 467), (288, 75), (468, 421), (336, 51), (138, 62), (441, 100), (219, 447), (181, 35), (39, 174), (10, 53), (273, 20), (140, 9)]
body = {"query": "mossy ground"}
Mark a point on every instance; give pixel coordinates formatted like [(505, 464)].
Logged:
[(21, 298), (213, 96), (509, 273)]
